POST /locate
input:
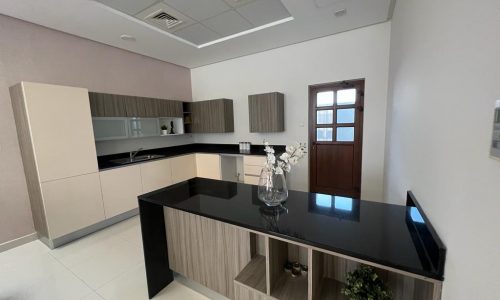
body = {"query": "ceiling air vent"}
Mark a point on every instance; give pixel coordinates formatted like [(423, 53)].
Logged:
[(164, 17), (170, 21)]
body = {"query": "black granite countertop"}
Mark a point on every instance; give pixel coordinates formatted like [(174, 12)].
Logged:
[(105, 161), (391, 235)]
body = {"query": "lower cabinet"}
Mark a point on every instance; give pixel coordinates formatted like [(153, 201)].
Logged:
[(209, 252), (252, 166), (208, 166), (120, 188), (156, 175), (183, 167), (72, 204)]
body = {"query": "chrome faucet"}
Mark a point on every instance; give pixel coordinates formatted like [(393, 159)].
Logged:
[(134, 153)]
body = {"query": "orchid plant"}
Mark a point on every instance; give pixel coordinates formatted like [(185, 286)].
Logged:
[(284, 162)]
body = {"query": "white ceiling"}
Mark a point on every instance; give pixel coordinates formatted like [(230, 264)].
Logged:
[(209, 20)]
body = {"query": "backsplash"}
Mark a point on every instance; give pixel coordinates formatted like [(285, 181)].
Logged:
[(127, 145)]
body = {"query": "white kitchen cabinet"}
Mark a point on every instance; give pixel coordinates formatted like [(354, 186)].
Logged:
[(183, 167), (120, 188), (208, 166), (72, 203), (156, 175), (56, 139), (60, 127)]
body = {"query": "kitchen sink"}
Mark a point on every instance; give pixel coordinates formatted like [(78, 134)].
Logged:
[(123, 161)]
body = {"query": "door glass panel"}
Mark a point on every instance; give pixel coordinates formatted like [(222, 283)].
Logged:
[(345, 134), (346, 97), (324, 99), (324, 117), (324, 134), (345, 115)]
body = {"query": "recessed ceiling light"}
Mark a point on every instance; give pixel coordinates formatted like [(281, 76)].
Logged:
[(127, 37), (340, 12)]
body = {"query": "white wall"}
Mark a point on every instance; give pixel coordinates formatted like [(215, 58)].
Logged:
[(355, 54), (445, 76)]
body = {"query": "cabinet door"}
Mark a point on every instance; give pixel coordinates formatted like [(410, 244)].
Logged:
[(267, 112), (208, 166), (147, 107), (170, 108), (61, 130), (106, 129), (120, 188), (213, 116), (144, 127), (183, 168), (156, 175), (107, 105), (72, 203)]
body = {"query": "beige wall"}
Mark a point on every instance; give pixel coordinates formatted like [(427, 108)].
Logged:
[(445, 77), (32, 53)]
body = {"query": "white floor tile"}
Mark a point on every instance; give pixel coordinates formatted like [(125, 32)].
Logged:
[(108, 264)]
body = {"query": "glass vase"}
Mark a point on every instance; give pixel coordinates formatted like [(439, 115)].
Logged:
[(272, 188)]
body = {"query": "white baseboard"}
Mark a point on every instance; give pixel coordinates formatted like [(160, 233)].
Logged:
[(18, 242)]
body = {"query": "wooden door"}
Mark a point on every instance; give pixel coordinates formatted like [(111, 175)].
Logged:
[(335, 136)]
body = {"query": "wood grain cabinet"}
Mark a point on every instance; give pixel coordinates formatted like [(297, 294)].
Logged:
[(208, 166), (252, 166), (55, 133), (120, 188), (267, 112), (212, 116), (110, 105)]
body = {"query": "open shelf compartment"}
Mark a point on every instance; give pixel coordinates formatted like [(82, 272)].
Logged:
[(282, 284), (253, 276), (328, 276)]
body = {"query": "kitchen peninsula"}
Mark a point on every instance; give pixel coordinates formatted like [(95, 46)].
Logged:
[(219, 234)]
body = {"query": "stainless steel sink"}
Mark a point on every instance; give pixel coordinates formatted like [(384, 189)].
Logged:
[(123, 161)]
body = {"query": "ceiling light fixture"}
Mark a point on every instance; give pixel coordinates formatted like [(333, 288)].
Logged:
[(340, 13), (245, 32), (127, 37)]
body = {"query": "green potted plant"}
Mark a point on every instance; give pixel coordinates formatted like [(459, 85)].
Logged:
[(365, 284), (164, 129)]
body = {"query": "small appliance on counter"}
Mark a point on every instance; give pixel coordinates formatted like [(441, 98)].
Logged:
[(245, 147)]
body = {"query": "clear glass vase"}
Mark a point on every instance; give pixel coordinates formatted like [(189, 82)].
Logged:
[(272, 187)]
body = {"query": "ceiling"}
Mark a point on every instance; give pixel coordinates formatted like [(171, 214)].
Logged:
[(203, 31)]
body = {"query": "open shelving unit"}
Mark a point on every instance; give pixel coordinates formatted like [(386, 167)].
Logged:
[(265, 278)]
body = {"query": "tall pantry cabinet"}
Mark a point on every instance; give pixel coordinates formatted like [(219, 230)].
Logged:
[(55, 133)]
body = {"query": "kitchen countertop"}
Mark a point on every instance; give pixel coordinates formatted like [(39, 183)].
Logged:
[(396, 236), (105, 161)]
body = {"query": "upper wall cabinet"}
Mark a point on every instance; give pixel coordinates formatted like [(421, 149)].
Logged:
[(109, 105), (212, 116), (267, 112)]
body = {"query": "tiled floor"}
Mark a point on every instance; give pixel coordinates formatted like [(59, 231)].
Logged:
[(106, 265)]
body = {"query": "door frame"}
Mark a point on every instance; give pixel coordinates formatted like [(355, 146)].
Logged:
[(360, 83)]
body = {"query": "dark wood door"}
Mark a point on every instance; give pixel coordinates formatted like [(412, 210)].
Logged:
[(335, 137)]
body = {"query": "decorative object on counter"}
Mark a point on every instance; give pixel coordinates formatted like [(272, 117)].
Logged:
[(288, 266), (172, 127), (296, 269), (364, 283), (164, 129), (272, 188)]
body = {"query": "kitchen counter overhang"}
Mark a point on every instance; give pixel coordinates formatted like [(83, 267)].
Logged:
[(394, 236)]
